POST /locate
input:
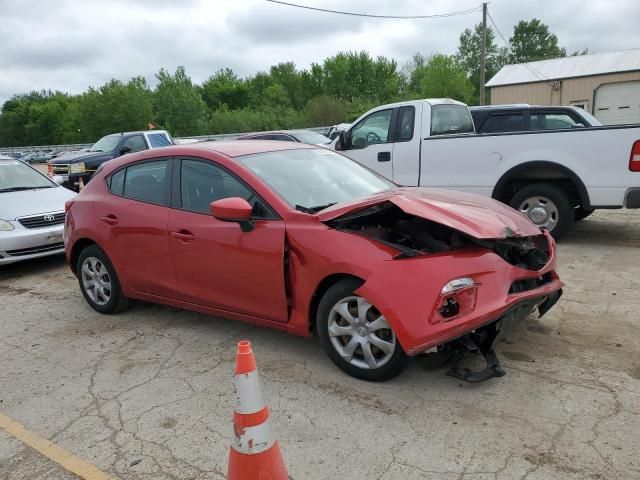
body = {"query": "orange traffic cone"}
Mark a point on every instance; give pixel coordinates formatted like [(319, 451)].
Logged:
[(255, 453)]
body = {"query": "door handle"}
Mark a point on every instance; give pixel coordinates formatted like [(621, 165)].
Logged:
[(183, 235), (384, 156), (110, 219)]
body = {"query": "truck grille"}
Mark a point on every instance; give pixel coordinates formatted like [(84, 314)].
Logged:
[(59, 169), (20, 252), (44, 220)]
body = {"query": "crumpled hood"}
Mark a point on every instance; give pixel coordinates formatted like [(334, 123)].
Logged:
[(32, 202), (475, 215)]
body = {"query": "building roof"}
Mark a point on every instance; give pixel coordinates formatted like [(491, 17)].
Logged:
[(567, 67)]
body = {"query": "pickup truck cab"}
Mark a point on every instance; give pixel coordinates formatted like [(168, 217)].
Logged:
[(75, 169), (549, 175)]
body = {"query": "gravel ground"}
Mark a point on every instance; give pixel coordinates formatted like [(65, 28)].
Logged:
[(147, 394)]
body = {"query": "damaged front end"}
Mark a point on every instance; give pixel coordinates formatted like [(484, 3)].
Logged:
[(416, 236)]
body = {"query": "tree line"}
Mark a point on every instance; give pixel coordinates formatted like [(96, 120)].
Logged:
[(339, 89)]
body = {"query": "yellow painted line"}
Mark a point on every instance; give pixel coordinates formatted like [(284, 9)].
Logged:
[(53, 452)]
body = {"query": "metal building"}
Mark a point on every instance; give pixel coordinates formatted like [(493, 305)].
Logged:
[(605, 84)]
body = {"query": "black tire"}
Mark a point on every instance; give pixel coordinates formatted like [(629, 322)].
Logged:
[(396, 361), (565, 210), (582, 213), (117, 301)]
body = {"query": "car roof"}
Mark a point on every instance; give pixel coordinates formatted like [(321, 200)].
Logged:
[(232, 148), (135, 132)]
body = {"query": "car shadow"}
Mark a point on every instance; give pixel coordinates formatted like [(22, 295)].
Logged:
[(34, 266), (605, 231)]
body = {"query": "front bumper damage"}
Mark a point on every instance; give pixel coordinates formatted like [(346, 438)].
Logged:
[(484, 339)]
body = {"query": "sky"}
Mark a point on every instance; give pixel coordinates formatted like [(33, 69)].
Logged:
[(69, 45)]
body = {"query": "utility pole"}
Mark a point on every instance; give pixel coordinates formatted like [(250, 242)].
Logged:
[(483, 51)]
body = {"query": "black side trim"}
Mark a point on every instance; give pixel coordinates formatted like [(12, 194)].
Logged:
[(633, 198)]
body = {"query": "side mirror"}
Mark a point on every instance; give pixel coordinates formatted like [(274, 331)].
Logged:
[(124, 150), (233, 209), (578, 125)]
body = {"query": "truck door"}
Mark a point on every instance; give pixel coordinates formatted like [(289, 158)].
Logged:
[(406, 145), (369, 141)]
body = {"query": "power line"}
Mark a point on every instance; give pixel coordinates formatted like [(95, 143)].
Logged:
[(535, 72), (369, 15)]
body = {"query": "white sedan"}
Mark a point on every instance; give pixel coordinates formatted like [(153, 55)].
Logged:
[(32, 213)]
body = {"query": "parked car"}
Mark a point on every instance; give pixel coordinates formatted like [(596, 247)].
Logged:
[(301, 136), (553, 176), (15, 155), (302, 239), (31, 213), (524, 118), (73, 169)]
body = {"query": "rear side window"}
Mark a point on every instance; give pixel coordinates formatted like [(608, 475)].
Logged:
[(404, 126), (450, 120), (507, 122), (551, 121), (144, 181), (158, 140)]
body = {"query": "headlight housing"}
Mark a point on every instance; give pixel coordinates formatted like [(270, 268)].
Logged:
[(77, 168), (5, 226), (457, 298)]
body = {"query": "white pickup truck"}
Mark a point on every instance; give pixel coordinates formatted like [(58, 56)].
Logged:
[(554, 176)]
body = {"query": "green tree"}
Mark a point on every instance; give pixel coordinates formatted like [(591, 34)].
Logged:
[(225, 88), (468, 56), (179, 107), (325, 110), (441, 77), (533, 41)]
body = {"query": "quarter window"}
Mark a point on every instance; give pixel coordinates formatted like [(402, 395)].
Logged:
[(372, 130), (116, 182), (158, 140), (511, 122)]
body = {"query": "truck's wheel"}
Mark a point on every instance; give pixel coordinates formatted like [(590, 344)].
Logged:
[(547, 206), (582, 213)]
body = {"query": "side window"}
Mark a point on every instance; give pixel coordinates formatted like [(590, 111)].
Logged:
[(203, 182), (282, 138), (146, 182), (371, 130), (158, 140), (447, 119), (136, 143), (510, 122), (551, 121), (404, 125), (116, 182)]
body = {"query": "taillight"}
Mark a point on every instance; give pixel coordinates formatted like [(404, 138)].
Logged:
[(67, 205), (634, 159)]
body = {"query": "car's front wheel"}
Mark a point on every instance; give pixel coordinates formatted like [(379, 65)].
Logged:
[(356, 336), (99, 282)]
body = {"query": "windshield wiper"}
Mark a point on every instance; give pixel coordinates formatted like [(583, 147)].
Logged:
[(18, 189), (315, 209)]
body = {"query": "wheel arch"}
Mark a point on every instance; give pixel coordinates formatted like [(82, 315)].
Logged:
[(78, 246), (322, 287), (539, 171)]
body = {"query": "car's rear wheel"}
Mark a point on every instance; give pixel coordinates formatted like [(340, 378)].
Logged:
[(99, 282), (547, 206), (356, 336)]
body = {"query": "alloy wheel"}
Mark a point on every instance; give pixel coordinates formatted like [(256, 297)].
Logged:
[(360, 334), (96, 280)]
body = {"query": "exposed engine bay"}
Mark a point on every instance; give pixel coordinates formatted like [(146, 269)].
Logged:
[(414, 236)]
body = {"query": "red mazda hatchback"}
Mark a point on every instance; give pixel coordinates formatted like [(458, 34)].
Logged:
[(303, 239)]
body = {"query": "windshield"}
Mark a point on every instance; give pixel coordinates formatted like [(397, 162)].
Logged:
[(313, 179), (106, 144), (306, 136), (15, 175)]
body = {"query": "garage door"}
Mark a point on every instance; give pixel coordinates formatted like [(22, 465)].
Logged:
[(618, 103)]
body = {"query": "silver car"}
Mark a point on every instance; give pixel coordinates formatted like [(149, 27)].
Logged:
[(31, 213)]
